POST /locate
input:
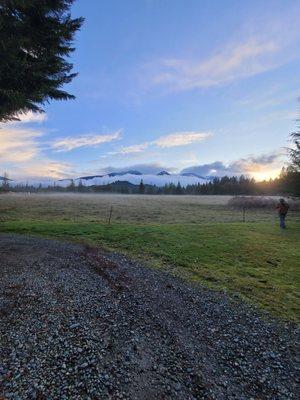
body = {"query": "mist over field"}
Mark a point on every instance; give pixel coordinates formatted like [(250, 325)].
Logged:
[(140, 209)]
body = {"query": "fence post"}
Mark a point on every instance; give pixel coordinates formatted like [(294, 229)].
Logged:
[(110, 213), (244, 214)]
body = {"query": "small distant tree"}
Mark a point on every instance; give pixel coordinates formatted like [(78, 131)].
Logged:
[(179, 189), (71, 187), (80, 186), (141, 187), (5, 183)]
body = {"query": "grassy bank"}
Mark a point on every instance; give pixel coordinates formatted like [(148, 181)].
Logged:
[(251, 259)]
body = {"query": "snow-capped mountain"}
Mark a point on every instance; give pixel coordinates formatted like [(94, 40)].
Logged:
[(130, 176), (135, 177), (163, 173)]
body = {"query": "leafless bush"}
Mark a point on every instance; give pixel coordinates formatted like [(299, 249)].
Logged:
[(261, 202), (294, 204)]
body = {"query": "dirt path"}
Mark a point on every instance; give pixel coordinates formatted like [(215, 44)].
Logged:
[(79, 324)]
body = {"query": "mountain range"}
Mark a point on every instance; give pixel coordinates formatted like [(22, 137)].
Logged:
[(132, 176)]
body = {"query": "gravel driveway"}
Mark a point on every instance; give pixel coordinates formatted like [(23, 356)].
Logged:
[(77, 323)]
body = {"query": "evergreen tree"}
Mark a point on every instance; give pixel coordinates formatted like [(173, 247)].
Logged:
[(5, 183), (290, 181), (80, 186), (295, 151), (179, 189), (36, 36), (141, 187), (71, 187)]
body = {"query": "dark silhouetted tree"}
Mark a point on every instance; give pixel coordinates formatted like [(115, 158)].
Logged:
[(179, 189), (295, 151), (5, 183), (71, 187), (80, 186), (35, 38), (141, 187)]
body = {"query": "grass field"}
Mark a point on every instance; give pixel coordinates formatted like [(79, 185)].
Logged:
[(195, 237)]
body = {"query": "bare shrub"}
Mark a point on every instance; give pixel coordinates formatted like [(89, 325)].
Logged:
[(294, 204), (256, 202)]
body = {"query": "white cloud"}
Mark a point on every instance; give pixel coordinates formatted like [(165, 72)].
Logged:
[(175, 139), (22, 157), (258, 45), (181, 139), (32, 117), (18, 145), (234, 62), (150, 168), (261, 166), (42, 168), (269, 97), (74, 142), (22, 152), (136, 148), (26, 118)]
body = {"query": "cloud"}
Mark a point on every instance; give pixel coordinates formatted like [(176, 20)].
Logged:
[(176, 139), (43, 169), (136, 148), (74, 142), (181, 139), (22, 152), (260, 166), (26, 118), (22, 157), (31, 117), (234, 62), (151, 168), (18, 145), (271, 97), (259, 45)]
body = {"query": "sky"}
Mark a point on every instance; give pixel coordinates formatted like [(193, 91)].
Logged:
[(209, 87)]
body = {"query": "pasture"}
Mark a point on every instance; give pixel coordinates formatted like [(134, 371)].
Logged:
[(198, 238)]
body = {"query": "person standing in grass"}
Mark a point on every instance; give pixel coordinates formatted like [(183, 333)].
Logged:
[(282, 208)]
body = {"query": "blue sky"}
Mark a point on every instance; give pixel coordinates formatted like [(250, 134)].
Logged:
[(205, 86)]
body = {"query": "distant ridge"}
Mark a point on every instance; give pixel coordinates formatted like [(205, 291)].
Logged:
[(130, 172), (135, 173), (122, 183), (132, 176), (192, 174), (2, 178), (163, 173), (89, 177)]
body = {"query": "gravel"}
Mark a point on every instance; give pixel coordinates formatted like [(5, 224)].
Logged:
[(78, 323)]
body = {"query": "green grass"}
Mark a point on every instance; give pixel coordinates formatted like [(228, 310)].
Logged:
[(253, 260)]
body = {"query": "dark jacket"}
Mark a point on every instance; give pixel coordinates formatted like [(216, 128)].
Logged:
[(282, 208)]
